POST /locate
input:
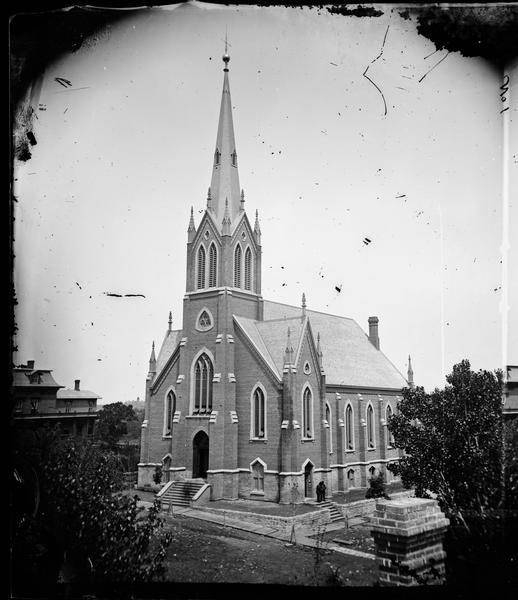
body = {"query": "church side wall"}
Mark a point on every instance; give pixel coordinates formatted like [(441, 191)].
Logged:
[(249, 372), (350, 468)]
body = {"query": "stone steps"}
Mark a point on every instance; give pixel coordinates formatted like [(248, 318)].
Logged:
[(180, 493), (336, 513)]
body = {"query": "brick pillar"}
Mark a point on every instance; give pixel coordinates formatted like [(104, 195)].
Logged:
[(408, 534)]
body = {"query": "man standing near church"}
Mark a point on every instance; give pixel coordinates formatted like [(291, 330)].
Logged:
[(321, 492)]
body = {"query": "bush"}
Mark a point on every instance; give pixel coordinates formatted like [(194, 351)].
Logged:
[(377, 487)]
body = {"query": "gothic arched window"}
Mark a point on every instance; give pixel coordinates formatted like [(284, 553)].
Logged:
[(203, 374), (169, 410), (349, 432), (248, 269), (258, 414), (258, 476), (201, 268), (370, 427), (307, 413), (388, 415), (213, 266), (237, 266)]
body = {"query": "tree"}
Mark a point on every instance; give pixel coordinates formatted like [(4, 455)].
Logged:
[(457, 448), (452, 440), (113, 422), (79, 525)]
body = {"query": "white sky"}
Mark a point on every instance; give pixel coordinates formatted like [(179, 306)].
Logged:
[(103, 204)]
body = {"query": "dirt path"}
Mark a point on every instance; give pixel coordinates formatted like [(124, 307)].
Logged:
[(203, 552)]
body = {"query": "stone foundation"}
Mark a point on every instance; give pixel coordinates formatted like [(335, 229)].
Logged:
[(408, 534)]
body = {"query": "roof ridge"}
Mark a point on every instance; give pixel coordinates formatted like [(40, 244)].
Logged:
[(320, 312)]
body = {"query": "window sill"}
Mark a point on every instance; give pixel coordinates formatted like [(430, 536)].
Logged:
[(256, 493), (304, 440), (258, 440), (371, 449), (167, 437), (204, 416), (350, 451)]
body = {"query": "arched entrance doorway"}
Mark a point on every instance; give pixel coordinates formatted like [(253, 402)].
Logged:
[(308, 480), (200, 455)]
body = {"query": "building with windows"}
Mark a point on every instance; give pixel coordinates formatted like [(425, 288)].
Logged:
[(39, 401), (511, 392), (261, 399)]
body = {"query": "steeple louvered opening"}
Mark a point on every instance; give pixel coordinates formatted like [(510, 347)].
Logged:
[(213, 266), (248, 269), (237, 266), (200, 279)]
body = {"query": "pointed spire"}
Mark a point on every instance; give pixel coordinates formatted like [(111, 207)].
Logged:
[(170, 322), (319, 351), (304, 305), (242, 199), (288, 352), (191, 230), (225, 177), (152, 360), (410, 373), (226, 220), (257, 229)]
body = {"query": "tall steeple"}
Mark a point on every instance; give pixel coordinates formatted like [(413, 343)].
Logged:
[(225, 177), (152, 361)]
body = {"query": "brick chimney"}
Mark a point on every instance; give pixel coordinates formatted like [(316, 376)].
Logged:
[(373, 332), (76, 385), (30, 364)]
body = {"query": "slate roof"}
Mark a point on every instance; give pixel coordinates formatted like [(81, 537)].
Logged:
[(348, 356), (171, 340), (349, 359), (68, 394), (21, 378)]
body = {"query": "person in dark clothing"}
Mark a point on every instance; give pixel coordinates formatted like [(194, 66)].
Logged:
[(321, 492)]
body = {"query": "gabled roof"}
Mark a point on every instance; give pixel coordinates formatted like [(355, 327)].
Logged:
[(171, 340), (270, 338), (349, 358)]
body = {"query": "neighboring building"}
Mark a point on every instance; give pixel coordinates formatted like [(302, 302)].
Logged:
[(39, 400), (261, 399), (511, 393)]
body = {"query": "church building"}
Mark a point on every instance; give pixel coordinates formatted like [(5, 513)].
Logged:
[(262, 400)]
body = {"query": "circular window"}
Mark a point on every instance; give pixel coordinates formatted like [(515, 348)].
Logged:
[(307, 368), (206, 234), (243, 235)]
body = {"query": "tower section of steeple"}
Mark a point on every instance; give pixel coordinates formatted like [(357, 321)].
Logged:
[(225, 176)]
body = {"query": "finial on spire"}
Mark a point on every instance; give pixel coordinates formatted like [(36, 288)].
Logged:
[(226, 57), (410, 373), (152, 359), (191, 230), (288, 353), (170, 321), (319, 351), (209, 200), (242, 199), (257, 229), (304, 305)]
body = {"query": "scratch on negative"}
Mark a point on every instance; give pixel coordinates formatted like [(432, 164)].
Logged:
[(373, 61), (435, 65)]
